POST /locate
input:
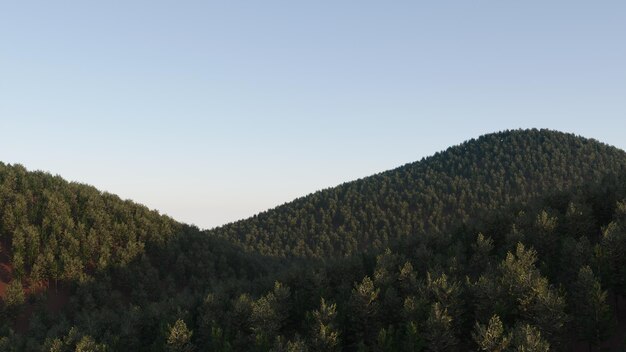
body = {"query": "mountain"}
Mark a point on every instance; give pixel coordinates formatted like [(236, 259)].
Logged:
[(431, 195), (53, 230), (513, 241)]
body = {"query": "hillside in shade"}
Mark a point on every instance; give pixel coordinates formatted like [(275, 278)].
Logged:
[(515, 241), (432, 195)]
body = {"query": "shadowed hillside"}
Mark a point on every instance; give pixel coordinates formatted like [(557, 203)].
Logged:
[(432, 195)]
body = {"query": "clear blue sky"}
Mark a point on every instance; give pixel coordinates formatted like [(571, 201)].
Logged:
[(213, 111)]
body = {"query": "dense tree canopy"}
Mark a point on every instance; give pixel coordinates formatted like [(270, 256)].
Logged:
[(512, 242), (434, 194)]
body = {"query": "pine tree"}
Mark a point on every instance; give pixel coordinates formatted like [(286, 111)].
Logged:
[(612, 259), (324, 335), (491, 338), (529, 296), (294, 345), (386, 341), (14, 295), (480, 261), (413, 341), (448, 294), (593, 321), (407, 279), (179, 338), (270, 313), (527, 338), (439, 331), (364, 310), (88, 344)]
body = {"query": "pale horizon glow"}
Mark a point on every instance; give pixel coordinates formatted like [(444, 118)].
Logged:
[(211, 113)]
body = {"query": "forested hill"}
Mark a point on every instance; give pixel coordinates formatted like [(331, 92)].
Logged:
[(55, 231), (52, 229), (431, 195), (515, 241)]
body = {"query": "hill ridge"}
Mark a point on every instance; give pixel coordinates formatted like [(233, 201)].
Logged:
[(82, 269), (459, 175)]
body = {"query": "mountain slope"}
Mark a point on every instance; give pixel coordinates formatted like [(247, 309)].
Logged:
[(431, 195), (525, 229), (52, 230)]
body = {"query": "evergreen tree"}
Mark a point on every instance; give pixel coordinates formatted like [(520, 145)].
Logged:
[(324, 335), (363, 311), (480, 259), (527, 338), (295, 345), (179, 338), (528, 293), (407, 280), (448, 294), (593, 321), (14, 295), (386, 341), (612, 259), (269, 314), (439, 331), (413, 341), (491, 338), (88, 344)]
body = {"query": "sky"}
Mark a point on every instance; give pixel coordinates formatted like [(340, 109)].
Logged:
[(211, 111)]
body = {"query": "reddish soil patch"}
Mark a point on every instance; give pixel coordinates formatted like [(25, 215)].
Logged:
[(22, 322), (6, 270), (5, 278), (57, 299), (54, 301)]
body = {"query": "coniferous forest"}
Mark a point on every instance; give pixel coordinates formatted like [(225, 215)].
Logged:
[(515, 241)]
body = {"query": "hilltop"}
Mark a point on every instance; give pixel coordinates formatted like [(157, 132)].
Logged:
[(434, 194)]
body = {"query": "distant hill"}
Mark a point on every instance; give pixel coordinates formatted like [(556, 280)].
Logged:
[(51, 229), (431, 195)]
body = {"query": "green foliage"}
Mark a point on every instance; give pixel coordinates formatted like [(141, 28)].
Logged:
[(179, 338), (295, 345), (477, 247), (87, 344), (447, 294), (75, 341), (9, 343), (413, 341), (527, 338), (435, 194), (364, 309), (439, 332), (593, 321), (386, 341), (270, 313), (481, 253), (324, 335), (611, 255), (14, 296), (62, 231), (491, 338), (529, 295)]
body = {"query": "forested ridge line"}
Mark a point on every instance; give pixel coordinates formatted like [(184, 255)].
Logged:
[(431, 195), (514, 241)]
